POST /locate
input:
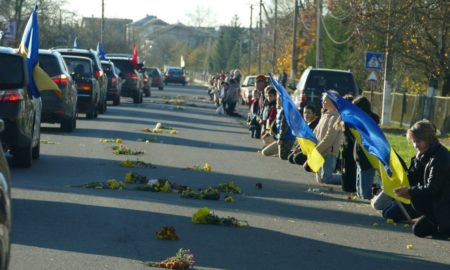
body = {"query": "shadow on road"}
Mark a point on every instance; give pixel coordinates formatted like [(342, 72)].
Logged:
[(97, 231)]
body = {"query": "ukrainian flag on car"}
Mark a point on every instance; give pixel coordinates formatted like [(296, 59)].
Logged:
[(374, 144), (299, 127), (29, 48)]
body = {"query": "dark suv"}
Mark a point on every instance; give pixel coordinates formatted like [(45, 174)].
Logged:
[(5, 207), (133, 81), (58, 107), (88, 89), (315, 81), (98, 72), (20, 111), (175, 75), (114, 82), (157, 78)]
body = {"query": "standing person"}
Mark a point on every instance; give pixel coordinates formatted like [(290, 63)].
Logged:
[(285, 137), (253, 124), (329, 135), (348, 164), (283, 78), (431, 196), (365, 172)]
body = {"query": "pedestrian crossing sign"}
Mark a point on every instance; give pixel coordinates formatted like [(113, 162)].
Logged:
[(374, 60)]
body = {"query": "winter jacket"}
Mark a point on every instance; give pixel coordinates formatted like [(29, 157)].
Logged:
[(329, 134), (431, 171)]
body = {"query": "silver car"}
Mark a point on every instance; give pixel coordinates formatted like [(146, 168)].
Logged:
[(247, 88)]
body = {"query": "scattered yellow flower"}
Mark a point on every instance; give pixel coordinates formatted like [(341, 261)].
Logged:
[(406, 225), (199, 217), (390, 221), (409, 246), (173, 132), (207, 167), (229, 199), (375, 224)]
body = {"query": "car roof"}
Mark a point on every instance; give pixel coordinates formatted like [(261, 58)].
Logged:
[(77, 57), (77, 50), (118, 57), (8, 50), (329, 69)]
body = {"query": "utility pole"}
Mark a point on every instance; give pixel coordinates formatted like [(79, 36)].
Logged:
[(294, 42), (102, 30), (319, 41), (386, 108), (274, 49), (260, 36), (250, 41)]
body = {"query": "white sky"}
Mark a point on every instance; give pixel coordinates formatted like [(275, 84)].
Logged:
[(171, 11)]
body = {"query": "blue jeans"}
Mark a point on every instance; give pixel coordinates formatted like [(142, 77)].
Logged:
[(364, 182), (326, 173)]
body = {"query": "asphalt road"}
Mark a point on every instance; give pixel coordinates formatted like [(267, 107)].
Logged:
[(57, 226)]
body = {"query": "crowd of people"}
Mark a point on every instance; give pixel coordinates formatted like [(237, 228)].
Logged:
[(346, 162)]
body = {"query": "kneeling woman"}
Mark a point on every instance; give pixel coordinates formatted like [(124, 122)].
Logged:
[(431, 168)]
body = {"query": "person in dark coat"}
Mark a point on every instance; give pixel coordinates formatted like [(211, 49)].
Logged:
[(348, 165), (431, 168), (310, 116)]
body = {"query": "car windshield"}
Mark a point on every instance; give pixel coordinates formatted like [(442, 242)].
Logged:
[(324, 80), (11, 71), (79, 66), (175, 71), (123, 65), (49, 63), (251, 81)]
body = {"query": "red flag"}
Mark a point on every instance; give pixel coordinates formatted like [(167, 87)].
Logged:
[(134, 60)]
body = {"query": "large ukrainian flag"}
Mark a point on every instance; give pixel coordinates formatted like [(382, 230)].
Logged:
[(29, 48), (374, 144), (299, 127)]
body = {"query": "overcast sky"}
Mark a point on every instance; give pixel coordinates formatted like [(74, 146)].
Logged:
[(171, 11)]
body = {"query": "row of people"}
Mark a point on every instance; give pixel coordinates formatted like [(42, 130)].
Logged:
[(346, 163)]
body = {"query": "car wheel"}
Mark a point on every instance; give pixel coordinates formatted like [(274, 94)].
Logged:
[(91, 114), (147, 93), (161, 88), (116, 101), (67, 124), (137, 97), (36, 151), (22, 156)]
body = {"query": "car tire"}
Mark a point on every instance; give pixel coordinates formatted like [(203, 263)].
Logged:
[(147, 93), (23, 156), (67, 124), (161, 88), (92, 113), (116, 101), (36, 151), (137, 98)]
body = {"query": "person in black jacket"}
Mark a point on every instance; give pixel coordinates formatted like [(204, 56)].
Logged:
[(431, 168)]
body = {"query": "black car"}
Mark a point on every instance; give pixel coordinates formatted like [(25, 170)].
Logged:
[(99, 74), (20, 111), (114, 82), (315, 81), (175, 75), (88, 88), (58, 107), (133, 80), (157, 77), (5, 207)]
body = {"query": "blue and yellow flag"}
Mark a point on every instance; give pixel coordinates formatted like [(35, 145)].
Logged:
[(29, 48), (374, 144), (299, 127), (101, 51)]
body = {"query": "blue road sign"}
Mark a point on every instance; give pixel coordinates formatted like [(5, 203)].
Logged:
[(374, 60)]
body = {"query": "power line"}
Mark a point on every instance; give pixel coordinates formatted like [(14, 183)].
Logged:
[(331, 38), (329, 13)]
